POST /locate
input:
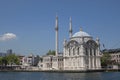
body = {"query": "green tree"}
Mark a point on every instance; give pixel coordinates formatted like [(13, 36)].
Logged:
[(51, 52), (1, 58), (106, 60), (4, 61), (13, 59)]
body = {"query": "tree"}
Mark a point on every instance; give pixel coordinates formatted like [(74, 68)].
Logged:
[(106, 60), (9, 60), (51, 52), (4, 61), (1, 58), (12, 59)]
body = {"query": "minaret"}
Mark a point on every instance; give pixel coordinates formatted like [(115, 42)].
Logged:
[(56, 36), (70, 29), (81, 29)]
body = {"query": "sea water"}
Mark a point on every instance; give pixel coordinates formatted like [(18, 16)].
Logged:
[(59, 76)]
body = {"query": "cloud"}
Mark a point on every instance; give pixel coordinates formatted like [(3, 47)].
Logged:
[(7, 36)]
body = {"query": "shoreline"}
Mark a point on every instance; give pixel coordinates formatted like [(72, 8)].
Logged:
[(64, 71)]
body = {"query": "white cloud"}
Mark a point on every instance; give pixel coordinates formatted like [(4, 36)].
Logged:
[(7, 36)]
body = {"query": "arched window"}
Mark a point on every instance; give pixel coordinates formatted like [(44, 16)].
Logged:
[(90, 51), (92, 46), (78, 50), (73, 51), (94, 51), (86, 51), (69, 51)]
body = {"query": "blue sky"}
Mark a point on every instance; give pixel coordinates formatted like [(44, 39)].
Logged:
[(33, 22)]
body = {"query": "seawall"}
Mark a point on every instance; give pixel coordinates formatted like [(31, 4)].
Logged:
[(64, 71)]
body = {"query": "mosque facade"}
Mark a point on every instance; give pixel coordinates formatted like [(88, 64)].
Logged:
[(80, 52)]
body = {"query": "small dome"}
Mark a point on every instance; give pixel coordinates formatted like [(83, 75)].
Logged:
[(81, 34)]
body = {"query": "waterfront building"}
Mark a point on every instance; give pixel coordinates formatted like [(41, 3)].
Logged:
[(27, 61), (47, 62), (115, 57), (21, 59), (51, 62), (114, 53), (80, 52)]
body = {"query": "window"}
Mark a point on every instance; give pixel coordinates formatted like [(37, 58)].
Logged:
[(78, 50), (73, 51), (69, 52), (86, 51), (90, 52), (94, 52)]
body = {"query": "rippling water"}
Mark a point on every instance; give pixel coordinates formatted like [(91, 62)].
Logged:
[(59, 76)]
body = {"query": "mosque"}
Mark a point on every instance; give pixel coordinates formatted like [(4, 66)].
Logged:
[(80, 52)]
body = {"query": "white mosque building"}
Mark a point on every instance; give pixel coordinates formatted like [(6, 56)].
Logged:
[(81, 52)]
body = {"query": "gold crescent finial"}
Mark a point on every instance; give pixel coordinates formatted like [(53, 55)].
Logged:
[(80, 28)]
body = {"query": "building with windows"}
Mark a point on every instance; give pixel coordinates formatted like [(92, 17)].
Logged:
[(80, 52), (114, 53), (27, 61)]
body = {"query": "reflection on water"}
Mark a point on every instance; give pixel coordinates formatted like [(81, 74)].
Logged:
[(83, 76), (59, 76)]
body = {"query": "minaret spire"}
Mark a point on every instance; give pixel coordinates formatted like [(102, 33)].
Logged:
[(70, 28), (81, 29), (56, 36)]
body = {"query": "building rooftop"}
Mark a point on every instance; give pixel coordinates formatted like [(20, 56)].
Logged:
[(81, 34), (111, 50)]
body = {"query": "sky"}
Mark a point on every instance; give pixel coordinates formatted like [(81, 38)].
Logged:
[(28, 26)]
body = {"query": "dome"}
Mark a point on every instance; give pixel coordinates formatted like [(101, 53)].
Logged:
[(81, 34)]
